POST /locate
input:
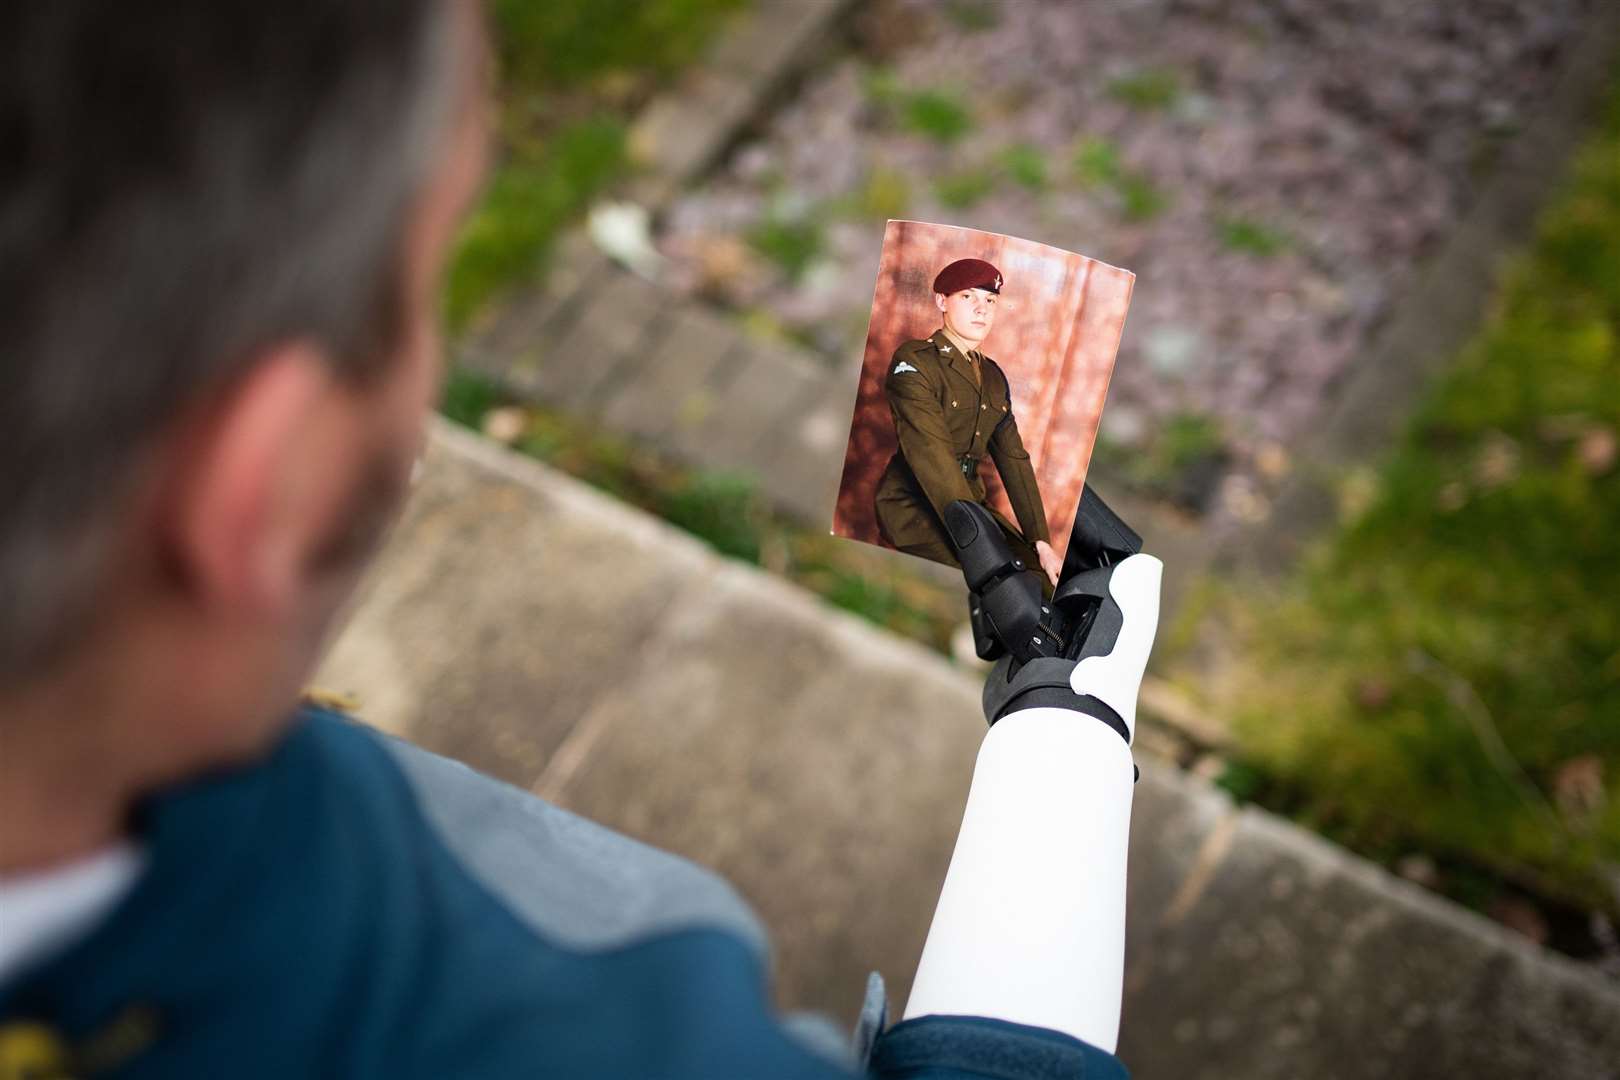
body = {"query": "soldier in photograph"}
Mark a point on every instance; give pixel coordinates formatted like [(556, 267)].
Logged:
[(952, 406)]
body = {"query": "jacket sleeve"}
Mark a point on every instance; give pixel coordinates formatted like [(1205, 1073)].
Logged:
[(1018, 477), (925, 439), (973, 1047)]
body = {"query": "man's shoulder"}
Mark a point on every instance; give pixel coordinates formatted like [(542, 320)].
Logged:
[(921, 347), (917, 355), (571, 879)]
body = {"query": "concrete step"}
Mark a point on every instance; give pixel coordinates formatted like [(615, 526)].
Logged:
[(579, 649)]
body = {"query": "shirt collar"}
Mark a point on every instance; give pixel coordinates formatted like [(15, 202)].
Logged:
[(952, 349)]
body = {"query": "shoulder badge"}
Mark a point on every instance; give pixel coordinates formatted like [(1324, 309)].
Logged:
[(902, 366)]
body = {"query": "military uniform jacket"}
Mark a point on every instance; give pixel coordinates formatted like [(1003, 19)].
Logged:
[(946, 423)]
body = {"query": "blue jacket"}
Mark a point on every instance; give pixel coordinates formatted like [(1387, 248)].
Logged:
[(353, 906)]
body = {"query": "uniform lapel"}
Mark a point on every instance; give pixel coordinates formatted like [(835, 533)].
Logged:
[(950, 352)]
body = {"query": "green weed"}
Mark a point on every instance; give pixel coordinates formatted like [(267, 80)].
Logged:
[(1151, 88), (886, 194), (938, 114), (722, 508), (529, 199), (1026, 164), (467, 396), (972, 15), (1249, 236), (961, 190), (1140, 198), (562, 128), (791, 245), (1096, 162), (566, 43)]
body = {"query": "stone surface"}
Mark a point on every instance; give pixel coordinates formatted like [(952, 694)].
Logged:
[(550, 636), (500, 607), (767, 387), (671, 390), (765, 41), (676, 137), (619, 318), (681, 134), (800, 463), (513, 329), (1298, 959)]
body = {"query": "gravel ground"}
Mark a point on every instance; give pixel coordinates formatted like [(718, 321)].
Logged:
[(1274, 171)]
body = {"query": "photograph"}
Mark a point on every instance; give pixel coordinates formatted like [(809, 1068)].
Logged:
[(986, 367)]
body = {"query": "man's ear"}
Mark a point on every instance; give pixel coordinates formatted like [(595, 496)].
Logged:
[(256, 478), (939, 300)]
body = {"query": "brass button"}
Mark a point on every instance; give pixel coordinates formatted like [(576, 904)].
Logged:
[(984, 406), (953, 404)]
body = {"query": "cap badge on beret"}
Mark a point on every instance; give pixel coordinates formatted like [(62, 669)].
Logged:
[(968, 274)]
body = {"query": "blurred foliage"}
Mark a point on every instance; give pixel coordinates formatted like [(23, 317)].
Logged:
[(1182, 463), (1249, 236), (938, 114), (467, 396), (722, 508), (1026, 164), (1446, 673), (791, 244), (886, 194), (882, 87), (972, 15), (727, 511), (962, 190), (538, 190), (1142, 200), (571, 72), (912, 607), (1096, 162), (564, 43), (1151, 88)]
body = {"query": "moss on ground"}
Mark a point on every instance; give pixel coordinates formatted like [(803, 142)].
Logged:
[(1445, 675), (572, 73)]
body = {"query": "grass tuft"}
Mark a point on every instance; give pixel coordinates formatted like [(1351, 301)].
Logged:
[(530, 198), (1026, 164), (1151, 88), (962, 190), (1250, 237), (791, 245), (938, 114)]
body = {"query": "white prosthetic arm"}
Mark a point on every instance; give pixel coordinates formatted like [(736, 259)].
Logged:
[(1030, 925)]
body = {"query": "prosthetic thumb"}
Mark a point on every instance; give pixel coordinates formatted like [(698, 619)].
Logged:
[(1117, 652)]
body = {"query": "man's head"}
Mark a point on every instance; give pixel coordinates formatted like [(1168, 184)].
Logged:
[(221, 228), (965, 293)]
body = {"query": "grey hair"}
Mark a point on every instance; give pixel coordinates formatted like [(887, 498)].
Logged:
[(183, 184)]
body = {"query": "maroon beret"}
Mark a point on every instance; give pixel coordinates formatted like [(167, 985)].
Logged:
[(968, 274)]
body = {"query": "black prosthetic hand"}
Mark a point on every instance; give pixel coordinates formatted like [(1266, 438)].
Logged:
[(1039, 645)]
